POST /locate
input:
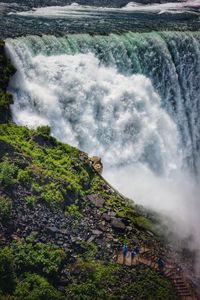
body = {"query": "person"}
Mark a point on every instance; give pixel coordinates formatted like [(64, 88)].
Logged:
[(137, 250), (161, 264), (133, 254), (124, 250)]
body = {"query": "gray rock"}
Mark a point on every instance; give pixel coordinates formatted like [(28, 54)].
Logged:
[(129, 228), (117, 223), (97, 200), (106, 217), (53, 229), (92, 238), (97, 232)]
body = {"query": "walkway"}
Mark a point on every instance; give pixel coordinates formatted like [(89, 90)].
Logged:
[(148, 258)]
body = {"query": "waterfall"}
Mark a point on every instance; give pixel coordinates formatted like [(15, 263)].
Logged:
[(132, 98)]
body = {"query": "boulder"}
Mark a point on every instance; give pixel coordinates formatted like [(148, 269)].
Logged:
[(97, 200), (97, 164), (97, 232), (106, 217), (117, 223)]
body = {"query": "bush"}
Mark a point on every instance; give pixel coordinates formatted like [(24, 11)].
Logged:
[(5, 208), (7, 174), (30, 200), (45, 259), (7, 275), (44, 130), (35, 287), (6, 100), (24, 177), (52, 197), (74, 211)]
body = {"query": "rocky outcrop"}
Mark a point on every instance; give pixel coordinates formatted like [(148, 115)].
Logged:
[(97, 164)]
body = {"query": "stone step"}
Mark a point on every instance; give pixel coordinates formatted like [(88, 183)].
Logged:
[(128, 259), (149, 259), (120, 259)]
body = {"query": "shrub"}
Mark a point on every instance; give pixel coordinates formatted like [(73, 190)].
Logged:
[(5, 208), (7, 275), (44, 130), (7, 173), (24, 177), (74, 211), (45, 259), (52, 197), (35, 287), (6, 100), (30, 200)]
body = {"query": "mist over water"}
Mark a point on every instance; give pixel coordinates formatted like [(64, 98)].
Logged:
[(132, 99)]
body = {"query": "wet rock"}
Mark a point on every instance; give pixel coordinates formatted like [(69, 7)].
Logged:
[(111, 214), (91, 239), (102, 227), (97, 232), (52, 229), (117, 223), (97, 200), (106, 217), (129, 228), (15, 237)]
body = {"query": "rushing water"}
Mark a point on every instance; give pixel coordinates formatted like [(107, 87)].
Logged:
[(96, 93), (17, 19)]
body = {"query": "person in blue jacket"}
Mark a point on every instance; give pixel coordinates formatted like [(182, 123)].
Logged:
[(124, 250), (160, 263)]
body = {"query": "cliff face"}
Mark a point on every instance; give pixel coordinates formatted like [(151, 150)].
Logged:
[(62, 226), (6, 70)]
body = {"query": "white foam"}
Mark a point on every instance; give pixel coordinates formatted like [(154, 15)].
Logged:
[(76, 9)]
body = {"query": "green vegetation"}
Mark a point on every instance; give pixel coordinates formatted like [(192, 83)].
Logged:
[(45, 259), (74, 210), (27, 270), (5, 208), (7, 174), (7, 274), (35, 287), (107, 281), (44, 130), (51, 175), (30, 271)]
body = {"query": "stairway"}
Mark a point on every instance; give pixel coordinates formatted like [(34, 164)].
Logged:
[(148, 258)]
